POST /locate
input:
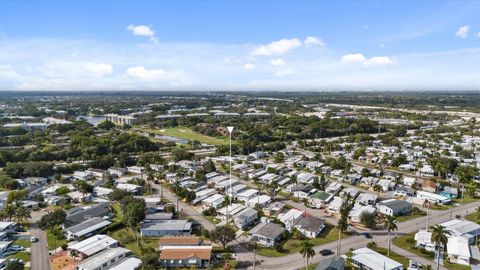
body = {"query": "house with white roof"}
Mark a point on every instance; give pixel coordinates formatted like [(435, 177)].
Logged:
[(357, 211), (365, 258), (261, 200), (433, 198), (423, 239), (246, 195), (464, 228), (213, 201), (92, 245), (290, 217)]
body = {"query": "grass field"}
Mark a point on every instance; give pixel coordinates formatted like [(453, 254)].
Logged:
[(329, 234), (51, 240), (22, 255), (474, 217), (187, 134), (414, 214)]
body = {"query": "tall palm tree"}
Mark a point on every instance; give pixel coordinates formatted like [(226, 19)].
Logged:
[(307, 251), (9, 210), (439, 237), (21, 214), (390, 222), (342, 226)]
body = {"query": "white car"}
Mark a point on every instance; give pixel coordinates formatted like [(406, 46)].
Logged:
[(415, 265), (33, 239), (17, 248)]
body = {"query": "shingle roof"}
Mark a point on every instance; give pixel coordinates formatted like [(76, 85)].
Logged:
[(310, 223)]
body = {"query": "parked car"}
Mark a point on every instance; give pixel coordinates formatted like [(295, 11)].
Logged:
[(367, 235), (414, 265), (326, 252), (17, 248), (33, 239)]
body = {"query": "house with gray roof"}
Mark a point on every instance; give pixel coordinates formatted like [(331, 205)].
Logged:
[(87, 227), (245, 218), (394, 207), (310, 226), (267, 234), (166, 227)]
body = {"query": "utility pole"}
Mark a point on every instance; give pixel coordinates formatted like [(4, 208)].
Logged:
[(428, 208), (254, 254), (230, 130)]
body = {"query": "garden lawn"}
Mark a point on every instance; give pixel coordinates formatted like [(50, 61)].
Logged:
[(51, 240), (329, 234), (474, 217), (22, 255), (188, 134), (120, 234), (23, 242), (414, 214)]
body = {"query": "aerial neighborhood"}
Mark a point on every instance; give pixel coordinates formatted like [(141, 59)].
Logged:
[(236, 182)]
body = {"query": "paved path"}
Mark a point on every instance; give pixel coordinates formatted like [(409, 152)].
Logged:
[(295, 261), (185, 208), (39, 258)]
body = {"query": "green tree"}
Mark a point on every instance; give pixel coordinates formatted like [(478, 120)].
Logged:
[(223, 234), (368, 219), (307, 251), (465, 175), (390, 222), (133, 214), (439, 237)]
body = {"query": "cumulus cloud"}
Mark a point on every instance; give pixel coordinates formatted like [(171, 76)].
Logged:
[(77, 69), (353, 58), (142, 30), (249, 66), (277, 62), (359, 58), (311, 41), (278, 47), (462, 32), (140, 72)]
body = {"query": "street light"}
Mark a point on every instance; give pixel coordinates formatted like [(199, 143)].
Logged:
[(230, 130)]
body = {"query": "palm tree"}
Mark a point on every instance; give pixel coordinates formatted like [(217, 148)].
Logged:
[(342, 226), (9, 211), (73, 253), (307, 251), (21, 214), (377, 188), (390, 222), (372, 245), (439, 237)]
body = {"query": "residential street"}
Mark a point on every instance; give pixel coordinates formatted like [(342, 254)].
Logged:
[(295, 261), (39, 258)]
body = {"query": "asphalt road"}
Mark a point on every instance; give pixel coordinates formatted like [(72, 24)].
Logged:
[(39, 259)]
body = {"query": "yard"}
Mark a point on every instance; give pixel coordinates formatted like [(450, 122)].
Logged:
[(128, 240), (52, 240), (403, 242), (329, 234), (415, 214), (187, 134)]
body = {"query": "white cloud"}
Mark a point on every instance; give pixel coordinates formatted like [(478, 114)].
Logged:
[(278, 47), (359, 58), (478, 35), (379, 60), (311, 41), (77, 69), (140, 72), (462, 32), (353, 58), (7, 73), (284, 72), (277, 62), (143, 30), (249, 66)]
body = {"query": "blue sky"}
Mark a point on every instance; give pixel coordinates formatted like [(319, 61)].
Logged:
[(240, 45)]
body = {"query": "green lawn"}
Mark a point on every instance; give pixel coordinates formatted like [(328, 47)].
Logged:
[(414, 214), (23, 242), (213, 219), (51, 240), (402, 243), (474, 217), (22, 255), (188, 134), (329, 234), (127, 240)]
